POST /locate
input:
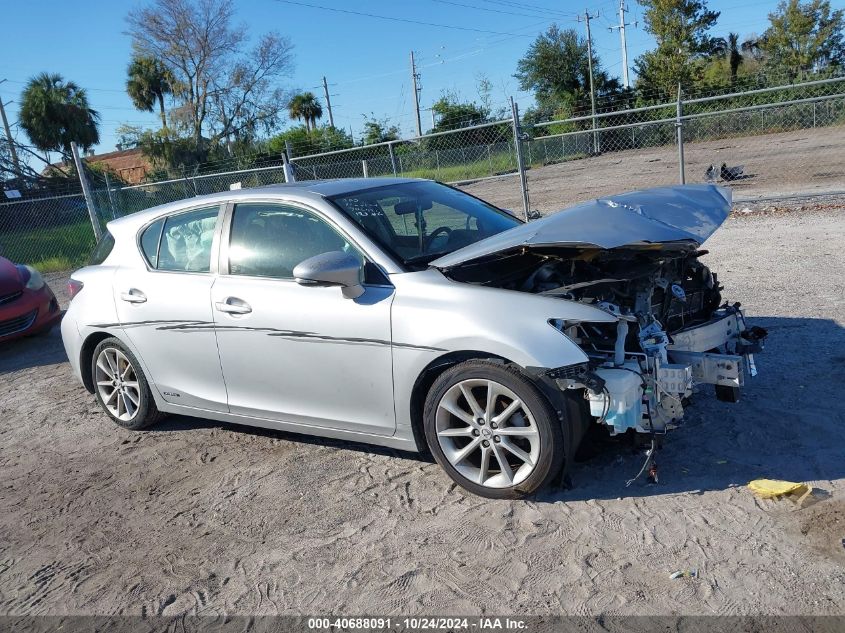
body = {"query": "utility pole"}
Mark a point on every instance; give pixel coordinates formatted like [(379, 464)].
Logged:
[(415, 77), (621, 27), (12, 149), (587, 18), (329, 101)]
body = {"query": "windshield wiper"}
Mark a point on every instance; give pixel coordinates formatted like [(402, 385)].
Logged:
[(425, 257)]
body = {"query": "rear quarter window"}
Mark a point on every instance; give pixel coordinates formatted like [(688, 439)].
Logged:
[(102, 250), (150, 239)]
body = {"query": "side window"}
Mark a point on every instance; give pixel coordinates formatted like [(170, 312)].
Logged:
[(269, 240), (150, 239), (185, 243)]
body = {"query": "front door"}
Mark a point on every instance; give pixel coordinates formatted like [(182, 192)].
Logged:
[(165, 311), (299, 354)]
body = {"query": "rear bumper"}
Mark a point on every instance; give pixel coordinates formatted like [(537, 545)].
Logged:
[(33, 312), (72, 340)]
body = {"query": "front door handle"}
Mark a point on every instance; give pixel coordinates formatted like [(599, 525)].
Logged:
[(233, 305), (133, 295)]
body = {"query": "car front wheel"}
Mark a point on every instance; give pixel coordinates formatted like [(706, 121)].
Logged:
[(492, 431), (121, 387)]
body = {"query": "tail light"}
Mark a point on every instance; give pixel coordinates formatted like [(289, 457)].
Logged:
[(74, 287)]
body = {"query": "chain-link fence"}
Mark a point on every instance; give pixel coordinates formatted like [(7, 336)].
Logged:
[(766, 143), (52, 233)]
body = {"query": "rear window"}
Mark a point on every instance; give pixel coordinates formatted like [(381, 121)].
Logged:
[(102, 250)]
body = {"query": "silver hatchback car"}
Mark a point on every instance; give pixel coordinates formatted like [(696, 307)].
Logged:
[(409, 314)]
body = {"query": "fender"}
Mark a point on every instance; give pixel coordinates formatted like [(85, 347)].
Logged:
[(433, 316)]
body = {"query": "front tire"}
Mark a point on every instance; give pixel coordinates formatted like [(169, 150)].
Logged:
[(492, 430), (121, 387)]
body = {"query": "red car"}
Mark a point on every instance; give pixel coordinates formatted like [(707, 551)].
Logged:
[(27, 305)]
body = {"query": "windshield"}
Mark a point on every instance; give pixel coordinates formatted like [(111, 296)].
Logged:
[(420, 221)]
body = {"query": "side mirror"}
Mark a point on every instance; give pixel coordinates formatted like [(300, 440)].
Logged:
[(334, 268)]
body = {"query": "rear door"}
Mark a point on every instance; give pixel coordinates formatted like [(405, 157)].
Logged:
[(300, 354), (165, 307)]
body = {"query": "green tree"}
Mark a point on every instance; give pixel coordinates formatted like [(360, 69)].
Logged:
[(379, 131), (147, 81), (222, 87), (680, 29), (55, 112), (804, 37), (456, 114), (556, 69), (729, 48), (306, 141), (453, 114), (305, 107)]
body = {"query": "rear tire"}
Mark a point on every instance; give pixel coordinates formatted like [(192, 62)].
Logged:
[(121, 387), (493, 432)]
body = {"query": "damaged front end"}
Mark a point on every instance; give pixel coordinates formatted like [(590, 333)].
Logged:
[(637, 257)]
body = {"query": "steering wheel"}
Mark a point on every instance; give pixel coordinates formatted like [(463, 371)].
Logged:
[(440, 229)]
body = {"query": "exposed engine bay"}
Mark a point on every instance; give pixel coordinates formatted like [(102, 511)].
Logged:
[(673, 330)]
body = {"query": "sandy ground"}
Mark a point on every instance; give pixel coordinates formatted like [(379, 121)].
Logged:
[(200, 517), (806, 161)]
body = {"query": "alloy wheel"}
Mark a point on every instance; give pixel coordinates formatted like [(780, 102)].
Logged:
[(487, 433), (117, 384)]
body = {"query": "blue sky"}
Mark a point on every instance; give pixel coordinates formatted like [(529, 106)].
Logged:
[(365, 59)]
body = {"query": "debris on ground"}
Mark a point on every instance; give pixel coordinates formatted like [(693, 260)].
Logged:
[(684, 573), (731, 173), (776, 488)]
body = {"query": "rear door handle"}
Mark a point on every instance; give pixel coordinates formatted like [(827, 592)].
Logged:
[(133, 295), (233, 305)]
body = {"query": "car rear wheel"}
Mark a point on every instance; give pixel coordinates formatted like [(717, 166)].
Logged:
[(492, 431), (121, 387)]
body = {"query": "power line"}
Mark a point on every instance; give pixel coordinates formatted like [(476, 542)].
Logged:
[(394, 19), (469, 6), (535, 8)]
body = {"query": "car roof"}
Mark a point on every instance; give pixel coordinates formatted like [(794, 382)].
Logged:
[(303, 190)]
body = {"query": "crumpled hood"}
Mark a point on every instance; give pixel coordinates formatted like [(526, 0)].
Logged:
[(683, 213), (10, 278)]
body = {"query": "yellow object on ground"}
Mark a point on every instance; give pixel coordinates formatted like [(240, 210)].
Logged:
[(771, 488)]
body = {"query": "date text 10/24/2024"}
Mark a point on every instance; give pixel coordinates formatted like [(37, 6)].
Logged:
[(481, 624)]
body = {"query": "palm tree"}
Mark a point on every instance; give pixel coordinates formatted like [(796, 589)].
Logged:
[(147, 81), (305, 106), (55, 112), (730, 48)]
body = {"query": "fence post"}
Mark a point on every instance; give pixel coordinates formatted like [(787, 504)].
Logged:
[(86, 191), (364, 168), (392, 158), (287, 168), (108, 191), (679, 125), (520, 161)]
